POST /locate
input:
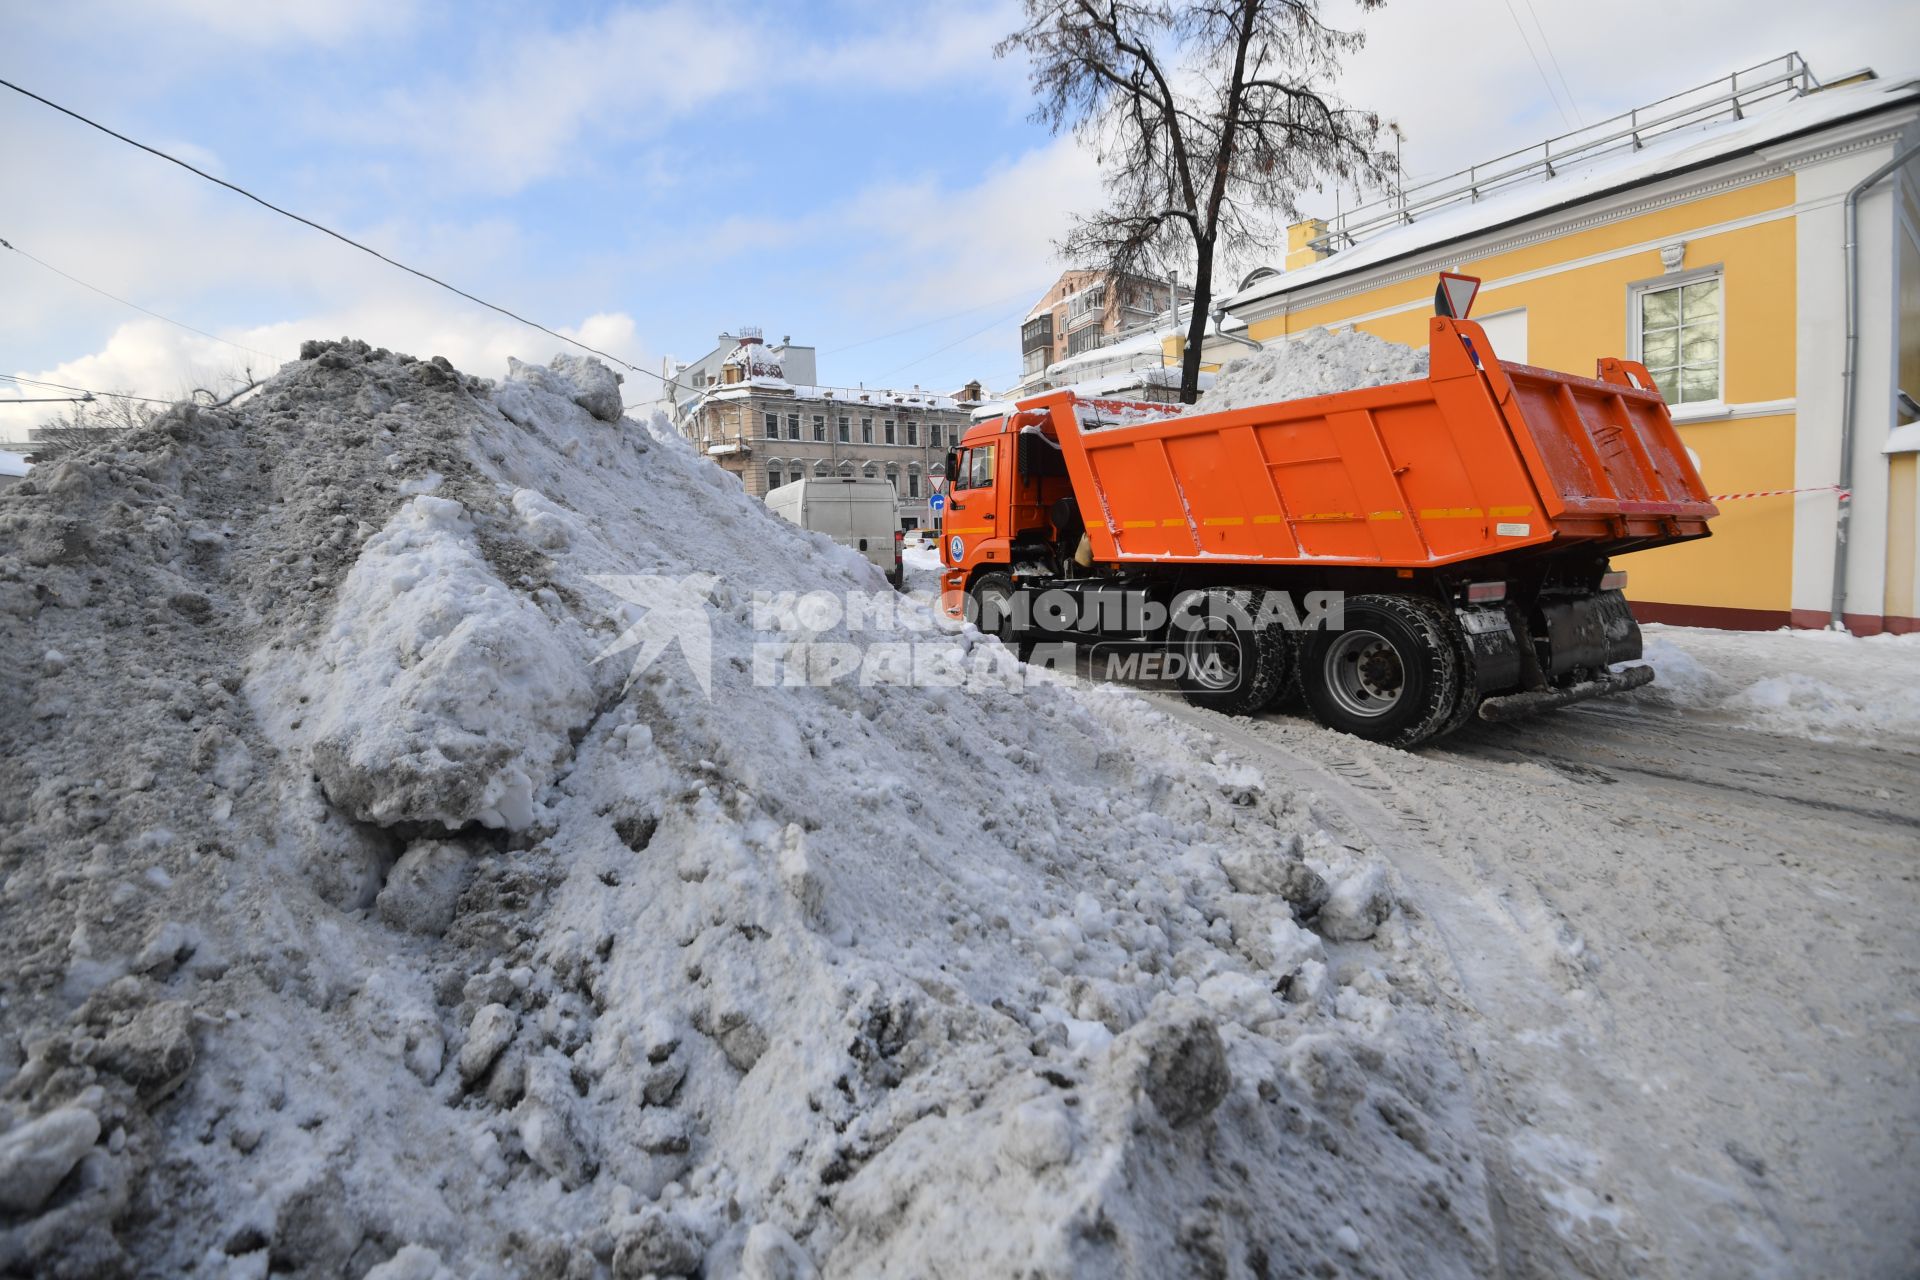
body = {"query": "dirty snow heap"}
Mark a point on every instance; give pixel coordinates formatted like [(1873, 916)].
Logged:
[(360, 921)]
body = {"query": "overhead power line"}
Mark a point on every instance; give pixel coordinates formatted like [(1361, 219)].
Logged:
[(87, 391), (48, 400), (136, 306), (913, 328), (1555, 59), (329, 231), (1553, 94), (996, 323)]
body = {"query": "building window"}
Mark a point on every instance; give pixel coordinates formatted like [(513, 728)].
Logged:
[(1085, 340), (934, 434), (820, 427), (866, 431), (773, 426), (869, 471), (1677, 335), (913, 484), (913, 433), (1034, 361), (793, 426), (887, 426), (773, 477), (845, 438)]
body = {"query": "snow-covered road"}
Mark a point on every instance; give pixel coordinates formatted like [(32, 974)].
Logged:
[(1684, 965)]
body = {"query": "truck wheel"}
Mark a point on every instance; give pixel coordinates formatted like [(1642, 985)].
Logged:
[(993, 610), (1468, 703), (1391, 674), (1237, 670)]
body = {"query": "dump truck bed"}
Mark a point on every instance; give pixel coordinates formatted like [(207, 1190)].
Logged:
[(1481, 457)]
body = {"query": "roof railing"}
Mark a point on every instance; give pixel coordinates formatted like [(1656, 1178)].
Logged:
[(1729, 97)]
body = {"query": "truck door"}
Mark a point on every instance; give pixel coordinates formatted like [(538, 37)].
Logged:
[(972, 501)]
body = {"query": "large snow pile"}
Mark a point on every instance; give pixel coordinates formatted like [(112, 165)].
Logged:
[(1316, 363), (1811, 684), (359, 922)]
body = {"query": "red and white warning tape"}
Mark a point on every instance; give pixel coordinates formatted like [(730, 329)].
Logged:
[(1780, 493)]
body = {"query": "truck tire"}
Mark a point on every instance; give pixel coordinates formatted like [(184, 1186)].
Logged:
[(1391, 674), (1253, 663), (992, 594), (1468, 702)]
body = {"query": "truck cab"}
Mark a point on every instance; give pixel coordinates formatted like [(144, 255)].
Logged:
[(1007, 481)]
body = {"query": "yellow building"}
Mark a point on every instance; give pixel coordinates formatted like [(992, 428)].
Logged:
[(1705, 236)]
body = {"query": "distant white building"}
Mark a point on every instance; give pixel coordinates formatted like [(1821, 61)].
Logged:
[(756, 411), (13, 468), (687, 380)]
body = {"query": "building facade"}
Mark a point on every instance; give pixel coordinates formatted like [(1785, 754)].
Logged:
[(1082, 311), (686, 381), (1705, 237), (770, 431)]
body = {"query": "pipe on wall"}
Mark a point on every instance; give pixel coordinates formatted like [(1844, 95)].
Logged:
[(1844, 516)]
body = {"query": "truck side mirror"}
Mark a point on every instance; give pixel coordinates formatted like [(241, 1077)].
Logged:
[(953, 470)]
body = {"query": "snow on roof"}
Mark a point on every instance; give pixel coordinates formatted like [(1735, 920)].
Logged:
[(1166, 376), (1672, 153), (12, 464), (1147, 340), (838, 395)]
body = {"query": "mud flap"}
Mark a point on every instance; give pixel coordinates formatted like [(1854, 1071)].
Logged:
[(1511, 706)]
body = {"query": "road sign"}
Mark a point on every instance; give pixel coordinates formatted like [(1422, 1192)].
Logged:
[(938, 502), (1454, 296)]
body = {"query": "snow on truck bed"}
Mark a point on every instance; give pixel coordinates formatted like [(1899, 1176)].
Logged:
[(358, 920), (1316, 362)]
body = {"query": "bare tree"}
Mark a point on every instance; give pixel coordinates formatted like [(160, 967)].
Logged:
[(100, 419), (1210, 118)]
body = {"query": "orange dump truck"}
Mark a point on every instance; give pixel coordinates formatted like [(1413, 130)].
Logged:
[(1404, 555)]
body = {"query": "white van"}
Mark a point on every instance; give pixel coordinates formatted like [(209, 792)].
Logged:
[(854, 512)]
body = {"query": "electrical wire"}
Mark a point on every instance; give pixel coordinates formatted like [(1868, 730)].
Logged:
[(912, 328), (1553, 95), (61, 386), (136, 306), (1555, 59), (996, 323), (324, 230)]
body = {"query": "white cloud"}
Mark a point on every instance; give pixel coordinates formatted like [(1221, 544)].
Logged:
[(525, 110), (255, 23), (1464, 87), (150, 358)]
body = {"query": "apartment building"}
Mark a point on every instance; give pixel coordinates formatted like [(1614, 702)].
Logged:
[(1084, 310)]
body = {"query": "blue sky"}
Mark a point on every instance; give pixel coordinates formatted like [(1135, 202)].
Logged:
[(647, 175)]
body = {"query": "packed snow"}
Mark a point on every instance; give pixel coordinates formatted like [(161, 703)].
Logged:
[(1316, 362), (1823, 685), (375, 907)]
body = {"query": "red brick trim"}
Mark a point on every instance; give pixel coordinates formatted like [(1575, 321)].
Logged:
[(1710, 615), (1861, 624)]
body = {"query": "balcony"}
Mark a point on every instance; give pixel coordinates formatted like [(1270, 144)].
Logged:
[(1036, 333)]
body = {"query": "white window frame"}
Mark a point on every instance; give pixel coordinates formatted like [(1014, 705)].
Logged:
[(1638, 289)]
